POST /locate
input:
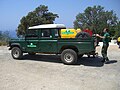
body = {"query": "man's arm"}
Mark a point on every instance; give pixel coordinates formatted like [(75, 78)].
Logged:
[(99, 36)]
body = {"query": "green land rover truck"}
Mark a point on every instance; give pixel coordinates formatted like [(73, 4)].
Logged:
[(47, 39)]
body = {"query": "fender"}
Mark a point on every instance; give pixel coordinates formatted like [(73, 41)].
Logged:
[(13, 45), (69, 47)]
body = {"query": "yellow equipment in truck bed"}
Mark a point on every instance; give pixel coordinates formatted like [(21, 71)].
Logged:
[(69, 33)]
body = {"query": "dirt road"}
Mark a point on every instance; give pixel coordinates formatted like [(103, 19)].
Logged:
[(47, 72)]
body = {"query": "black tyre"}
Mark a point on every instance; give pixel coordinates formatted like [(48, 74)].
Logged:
[(82, 35), (16, 53), (69, 56), (31, 53)]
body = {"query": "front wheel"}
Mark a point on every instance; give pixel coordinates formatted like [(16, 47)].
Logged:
[(69, 56), (16, 53)]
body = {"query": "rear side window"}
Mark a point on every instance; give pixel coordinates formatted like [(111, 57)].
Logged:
[(46, 33)]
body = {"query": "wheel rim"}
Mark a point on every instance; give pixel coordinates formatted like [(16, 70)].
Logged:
[(16, 53), (68, 57)]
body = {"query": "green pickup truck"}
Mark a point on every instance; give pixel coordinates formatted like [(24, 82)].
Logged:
[(47, 39)]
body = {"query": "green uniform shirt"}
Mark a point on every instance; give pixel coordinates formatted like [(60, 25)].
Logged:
[(106, 39)]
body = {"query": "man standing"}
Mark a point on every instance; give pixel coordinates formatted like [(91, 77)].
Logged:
[(105, 40)]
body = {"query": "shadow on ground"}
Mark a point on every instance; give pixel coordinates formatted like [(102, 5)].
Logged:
[(44, 58), (94, 62), (111, 62)]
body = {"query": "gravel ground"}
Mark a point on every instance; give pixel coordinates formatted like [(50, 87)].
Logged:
[(47, 72)]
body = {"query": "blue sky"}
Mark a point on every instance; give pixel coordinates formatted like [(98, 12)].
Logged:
[(11, 11)]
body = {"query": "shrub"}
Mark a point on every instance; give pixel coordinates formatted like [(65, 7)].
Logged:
[(3, 43)]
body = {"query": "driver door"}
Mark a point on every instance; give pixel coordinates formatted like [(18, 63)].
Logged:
[(32, 41)]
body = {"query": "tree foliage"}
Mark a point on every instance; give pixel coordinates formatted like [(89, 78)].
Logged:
[(96, 18), (40, 15), (117, 32), (4, 37)]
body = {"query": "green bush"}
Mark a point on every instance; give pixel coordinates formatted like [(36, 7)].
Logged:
[(2, 43), (4, 38)]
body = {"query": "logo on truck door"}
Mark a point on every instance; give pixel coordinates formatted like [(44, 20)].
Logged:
[(31, 45)]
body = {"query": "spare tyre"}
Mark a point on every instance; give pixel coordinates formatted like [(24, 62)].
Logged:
[(82, 35)]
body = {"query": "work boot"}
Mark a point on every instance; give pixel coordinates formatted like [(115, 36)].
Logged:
[(107, 61)]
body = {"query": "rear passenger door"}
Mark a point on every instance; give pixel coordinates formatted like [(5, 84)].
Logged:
[(48, 41)]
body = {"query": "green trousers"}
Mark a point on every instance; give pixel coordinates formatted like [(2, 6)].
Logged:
[(104, 51)]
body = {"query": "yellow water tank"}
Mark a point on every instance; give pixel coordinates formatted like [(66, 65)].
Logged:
[(69, 33)]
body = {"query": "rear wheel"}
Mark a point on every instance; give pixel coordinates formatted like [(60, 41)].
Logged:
[(69, 56), (16, 53)]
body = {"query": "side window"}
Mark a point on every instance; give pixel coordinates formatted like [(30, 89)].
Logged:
[(56, 33), (32, 34), (46, 33)]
